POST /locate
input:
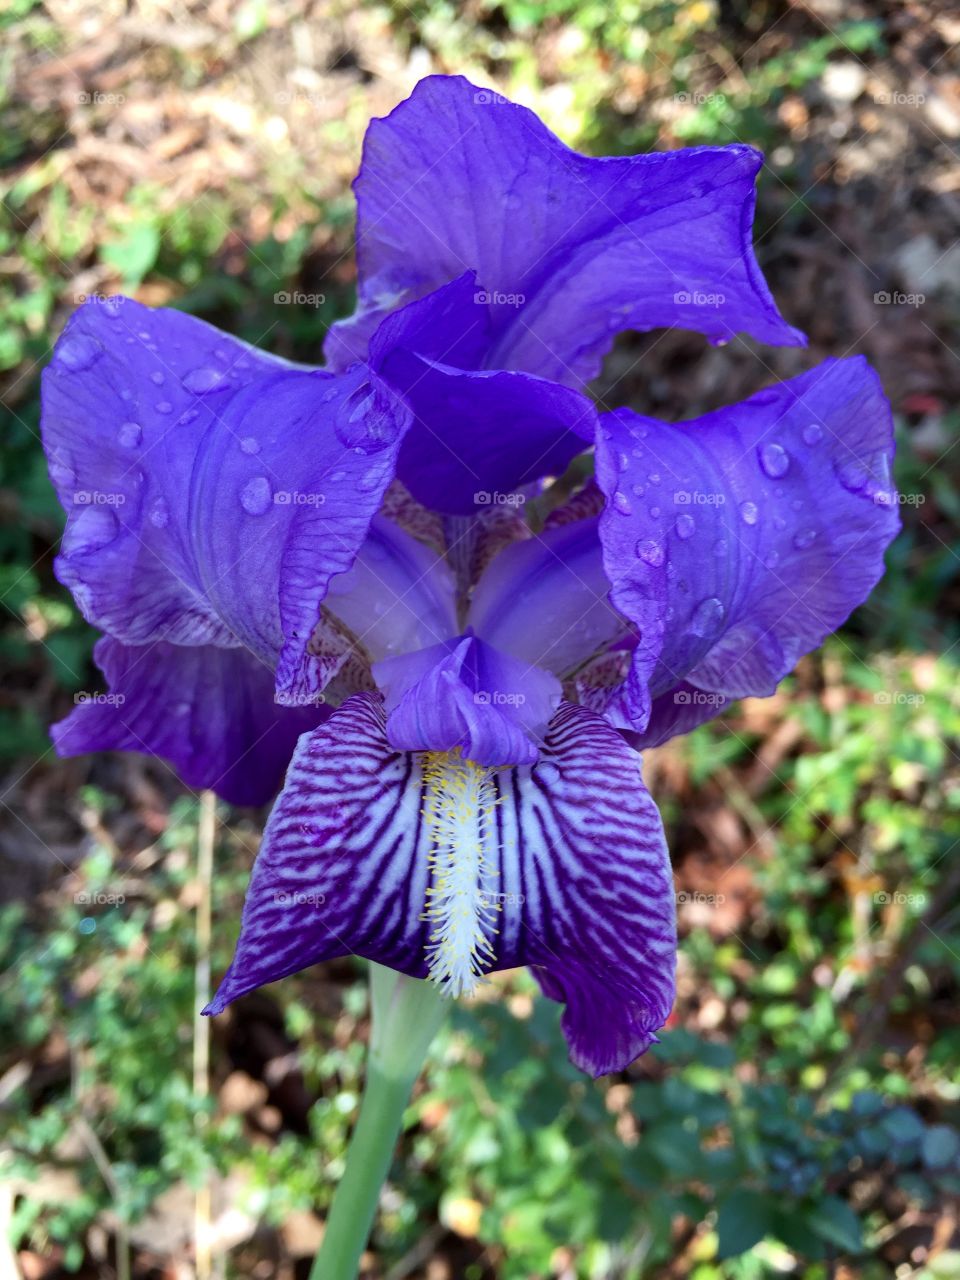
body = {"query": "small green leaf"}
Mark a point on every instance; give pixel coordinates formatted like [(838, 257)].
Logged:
[(745, 1217), (135, 252), (834, 1221)]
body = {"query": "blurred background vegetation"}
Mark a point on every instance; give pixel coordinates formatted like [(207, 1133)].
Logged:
[(802, 1115)]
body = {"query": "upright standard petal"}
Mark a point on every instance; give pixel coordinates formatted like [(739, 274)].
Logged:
[(210, 712), (545, 600), (570, 249), (399, 595), (737, 542), (437, 867)]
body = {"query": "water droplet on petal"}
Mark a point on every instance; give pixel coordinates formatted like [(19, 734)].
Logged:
[(256, 496), (163, 406), (188, 416), (812, 434), (250, 444), (130, 435), (61, 472), (366, 421), (774, 460), (370, 479), (156, 377), (654, 477), (637, 490), (78, 353), (94, 527), (650, 551), (685, 526), (806, 538), (655, 513), (205, 379), (707, 616), (622, 503), (772, 560), (159, 513), (749, 513), (852, 476)]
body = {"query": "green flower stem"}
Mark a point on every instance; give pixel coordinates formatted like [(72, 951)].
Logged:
[(407, 1014)]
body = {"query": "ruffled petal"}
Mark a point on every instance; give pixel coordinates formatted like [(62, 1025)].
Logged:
[(275, 524), (221, 489), (737, 542), (466, 695), (475, 434), (576, 880), (210, 712), (570, 249), (128, 399)]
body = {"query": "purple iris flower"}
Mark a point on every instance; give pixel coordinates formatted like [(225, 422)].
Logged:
[(359, 575)]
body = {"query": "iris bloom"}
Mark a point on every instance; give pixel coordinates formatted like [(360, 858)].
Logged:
[(360, 572)]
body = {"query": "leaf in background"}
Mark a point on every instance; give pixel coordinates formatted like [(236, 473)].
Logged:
[(940, 1146), (135, 252), (744, 1218), (834, 1221)]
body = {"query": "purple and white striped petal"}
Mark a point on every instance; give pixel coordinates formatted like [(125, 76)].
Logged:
[(569, 874)]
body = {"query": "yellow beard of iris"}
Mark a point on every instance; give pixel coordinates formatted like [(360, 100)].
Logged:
[(458, 810)]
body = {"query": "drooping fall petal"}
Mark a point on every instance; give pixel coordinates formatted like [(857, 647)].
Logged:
[(572, 876)]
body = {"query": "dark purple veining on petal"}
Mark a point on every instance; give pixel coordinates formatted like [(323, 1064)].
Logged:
[(583, 884)]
